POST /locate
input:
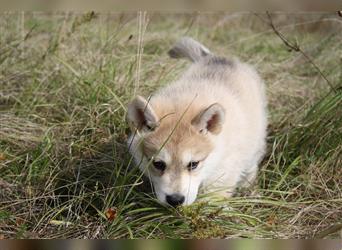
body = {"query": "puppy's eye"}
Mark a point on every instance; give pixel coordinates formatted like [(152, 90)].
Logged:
[(160, 165), (192, 165)]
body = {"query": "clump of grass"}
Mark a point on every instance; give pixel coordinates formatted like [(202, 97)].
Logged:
[(65, 80)]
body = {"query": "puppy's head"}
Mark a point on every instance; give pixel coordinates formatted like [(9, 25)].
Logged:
[(171, 146)]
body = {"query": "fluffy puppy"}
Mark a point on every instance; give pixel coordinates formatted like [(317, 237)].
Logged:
[(205, 131)]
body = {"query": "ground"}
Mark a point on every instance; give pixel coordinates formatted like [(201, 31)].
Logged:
[(65, 80)]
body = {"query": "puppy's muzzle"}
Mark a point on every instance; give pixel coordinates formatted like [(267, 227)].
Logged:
[(175, 199)]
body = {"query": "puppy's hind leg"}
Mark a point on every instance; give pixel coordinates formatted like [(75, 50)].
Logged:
[(249, 177), (247, 183)]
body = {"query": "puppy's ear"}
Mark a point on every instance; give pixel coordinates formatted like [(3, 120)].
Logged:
[(210, 119), (141, 115)]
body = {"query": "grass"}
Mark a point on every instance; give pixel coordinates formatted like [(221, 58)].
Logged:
[(65, 80)]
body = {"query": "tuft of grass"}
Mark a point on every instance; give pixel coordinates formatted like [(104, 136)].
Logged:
[(65, 80)]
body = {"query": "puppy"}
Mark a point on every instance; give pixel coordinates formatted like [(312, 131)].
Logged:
[(204, 131)]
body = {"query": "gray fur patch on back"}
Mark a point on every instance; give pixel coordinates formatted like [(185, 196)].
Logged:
[(216, 60), (214, 67)]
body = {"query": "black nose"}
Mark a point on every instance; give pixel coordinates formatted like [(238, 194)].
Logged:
[(175, 199)]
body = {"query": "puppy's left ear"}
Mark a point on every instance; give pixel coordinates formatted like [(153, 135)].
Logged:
[(210, 119), (141, 115)]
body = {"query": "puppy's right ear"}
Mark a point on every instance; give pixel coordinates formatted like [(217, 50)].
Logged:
[(141, 115)]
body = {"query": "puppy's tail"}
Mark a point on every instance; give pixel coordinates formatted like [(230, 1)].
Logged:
[(190, 49)]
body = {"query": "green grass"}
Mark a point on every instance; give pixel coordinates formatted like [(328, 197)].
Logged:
[(65, 80)]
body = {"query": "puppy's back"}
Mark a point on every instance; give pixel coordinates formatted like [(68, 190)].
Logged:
[(219, 78)]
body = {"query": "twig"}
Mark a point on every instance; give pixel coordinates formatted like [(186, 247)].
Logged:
[(330, 230), (142, 25), (294, 46), (192, 21)]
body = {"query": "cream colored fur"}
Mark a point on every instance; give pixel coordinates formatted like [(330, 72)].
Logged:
[(215, 114)]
